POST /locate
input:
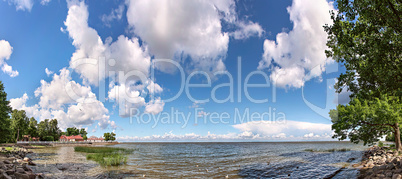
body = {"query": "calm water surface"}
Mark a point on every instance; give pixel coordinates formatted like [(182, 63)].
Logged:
[(206, 160)]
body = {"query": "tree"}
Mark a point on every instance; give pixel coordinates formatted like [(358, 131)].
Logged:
[(72, 131), (83, 133), (32, 127), (106, 136), (43, 129), (367, 120), (365, 38), (112, 136), (5, 109), (19, 124), (54, 129), (109, 136)]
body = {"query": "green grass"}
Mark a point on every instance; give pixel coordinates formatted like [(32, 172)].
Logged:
[(106, 156), (38, 146), (102, 150), (108, 159), (329, 150)]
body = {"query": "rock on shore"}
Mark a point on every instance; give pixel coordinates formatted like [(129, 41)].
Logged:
[(381, 162), (14, 164)]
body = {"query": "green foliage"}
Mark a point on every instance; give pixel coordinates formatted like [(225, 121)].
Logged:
[(75, 131), (5, 109), (109, 136), (102, 150), (365, 37), (72, 131), (19, 124), (32, 127), (103, 159), (83, 132), (48, 138), (366, 120), (49, 128), (380, 144), (106, 156)]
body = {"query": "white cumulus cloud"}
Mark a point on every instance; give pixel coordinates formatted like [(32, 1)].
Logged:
[(124, 54), (284, 128), (48, 72), (66, 100), (154, 106), (176, 29), (302, 50), (5, 52)]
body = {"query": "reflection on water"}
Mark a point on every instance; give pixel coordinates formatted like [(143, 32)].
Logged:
[(200, 160)]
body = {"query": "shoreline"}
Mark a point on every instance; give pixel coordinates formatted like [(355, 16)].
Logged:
[(15, 164), (380, 162)]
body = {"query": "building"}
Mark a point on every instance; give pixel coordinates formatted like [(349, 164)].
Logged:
[(29, 138), (72, 138), (95, 139)]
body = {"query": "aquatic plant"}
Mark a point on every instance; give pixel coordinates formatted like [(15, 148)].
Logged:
[(102, 150), (106, 156), (108, 159)]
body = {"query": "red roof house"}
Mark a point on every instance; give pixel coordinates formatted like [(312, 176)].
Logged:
[(72, 138), (95, 139)]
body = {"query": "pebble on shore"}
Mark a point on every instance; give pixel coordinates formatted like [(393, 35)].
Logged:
[(381, 162), (14, 164)]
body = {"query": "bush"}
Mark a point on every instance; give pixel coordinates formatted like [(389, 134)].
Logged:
[(48, 138), (380, 144)]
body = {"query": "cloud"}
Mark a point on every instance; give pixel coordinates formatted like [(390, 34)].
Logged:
[(177, 29), (302, 50), (243, 136), (31, 111), (170, 136), (116, 14), (285, 128), (5, 52), (155, 106), (247, 29), (66, 100), (48, 72), (45, 2), (61, 90), (22, 4), (9, 70), (123, 55), (128, 97), (154, 88)]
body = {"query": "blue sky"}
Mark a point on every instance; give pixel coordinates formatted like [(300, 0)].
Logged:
[(281, 43)]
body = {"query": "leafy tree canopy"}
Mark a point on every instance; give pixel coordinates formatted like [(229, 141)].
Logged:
[(5, 109), (365, 37)]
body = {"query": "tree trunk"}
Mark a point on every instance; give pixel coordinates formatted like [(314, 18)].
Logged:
[(18, 134), (397, 135)]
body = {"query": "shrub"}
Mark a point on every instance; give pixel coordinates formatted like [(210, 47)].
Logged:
[(48, 138), (380, 144)]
